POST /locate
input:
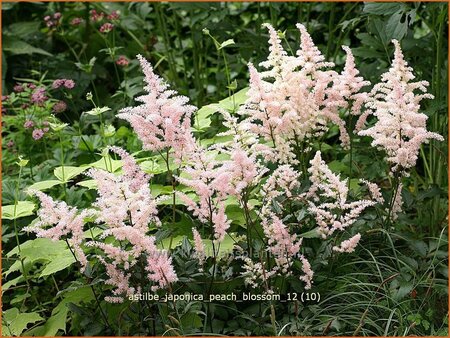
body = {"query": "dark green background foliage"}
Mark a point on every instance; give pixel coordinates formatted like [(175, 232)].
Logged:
[(396, 281)]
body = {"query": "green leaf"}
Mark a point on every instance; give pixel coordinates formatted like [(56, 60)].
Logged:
[(64, 174), (225, 247), (54, 255), (98, 110), (232, 102), (226, 43), (165, 243), (191, 320), (382, 8), (43, 185), (90, 184), (202, 118), (19, 47), (107, 163), (17, 322), (310, 234), (60, 262), (23, 29), (23, 208), (395, 28)]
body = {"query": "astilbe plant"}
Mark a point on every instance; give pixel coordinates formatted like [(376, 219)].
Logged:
[(270, 158)]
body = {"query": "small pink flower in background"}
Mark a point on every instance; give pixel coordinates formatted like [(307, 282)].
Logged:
[(57, 16), (31, 86), (113, 16), (69, 84), (58, 83), (5, 97), (59, 107), (28, 124), (45, 123), (18, 88), (47, 18), (122, 61), (45, 130), (97, 16), (38, 96), (37, 134), (66, 83), (76, 21), (106, 27), (10, 144)]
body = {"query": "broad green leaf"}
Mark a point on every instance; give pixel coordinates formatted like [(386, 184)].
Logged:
[(108, 164), (310, 234), (90, 184), (16, 323), (58, 319), (22, 209), (191, 320), (202, 118), (165, 243), (382, 8), (234, 101), (43, 185), (54, 255), (223, 248), (64, 174), (16, 46), (60, 262), (23, 29)]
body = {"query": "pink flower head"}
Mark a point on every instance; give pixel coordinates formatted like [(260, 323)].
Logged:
[(39, 96), (58, 83), (37, 134), (400, 129), (18, 88), (10, 144), (5, 98), (69, 84), (47, 18), (163, 120), (57, 16), (28, 124), (76, 21), (113, 16), (122, 61), (32, 86), (59, 107), (106, 27), (349, 245), (96, 16)]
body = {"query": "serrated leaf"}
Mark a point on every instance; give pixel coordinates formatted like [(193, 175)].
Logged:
[(22, 209), (17, 322)]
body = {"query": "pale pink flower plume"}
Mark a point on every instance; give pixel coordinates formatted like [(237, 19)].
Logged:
[(163, 120), (400, 128), (308, 273), (125, 199), (329, 194), (348, 245), (199, 246), (58, 221)]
